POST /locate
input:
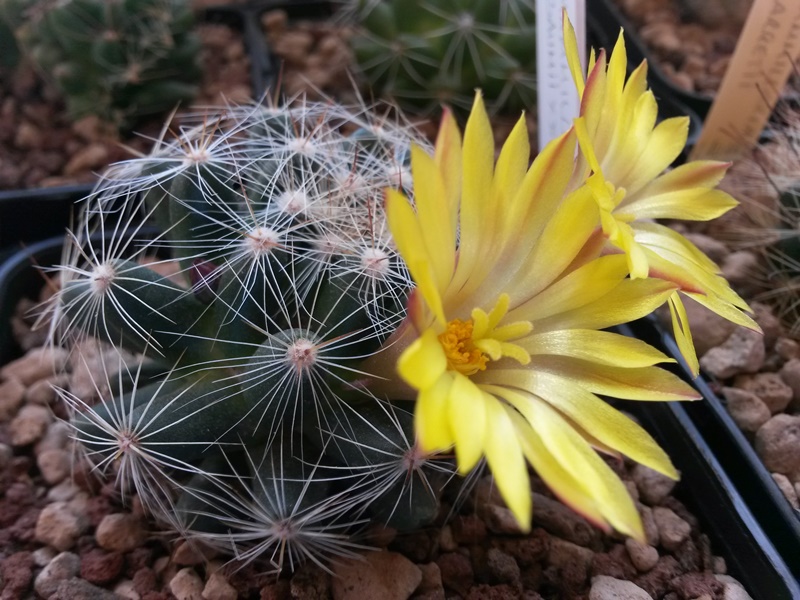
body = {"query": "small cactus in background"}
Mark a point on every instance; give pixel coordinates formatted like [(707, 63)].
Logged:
[(118, 59), (423, 54), (243, 423)]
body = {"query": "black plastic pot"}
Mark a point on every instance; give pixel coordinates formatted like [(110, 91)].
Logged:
[(734, 454), (264, 68), (30, 215), (610, 19), (20, 278)]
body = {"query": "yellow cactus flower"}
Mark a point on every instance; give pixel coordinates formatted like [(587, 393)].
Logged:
[(504, 351), (628, 153)]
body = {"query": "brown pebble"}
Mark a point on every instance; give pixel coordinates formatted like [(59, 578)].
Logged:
[(778, 444), (12, 392), (121, 532), (145, 580), (672, 530), (456, 570), (643, 556), (29, 425), (16, 573), (101, 567), (656, 582), (468, 529)]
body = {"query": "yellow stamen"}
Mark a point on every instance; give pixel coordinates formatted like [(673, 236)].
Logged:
[(459, 347)]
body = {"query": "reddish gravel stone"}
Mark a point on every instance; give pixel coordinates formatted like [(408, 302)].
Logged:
[(145, 580), (615, 563), (530, 549), (101, 567), (97, 508), (138, 558), (656, 582), (457, 574), (17, 575), (468, 530), (698, 585), (493, 592)]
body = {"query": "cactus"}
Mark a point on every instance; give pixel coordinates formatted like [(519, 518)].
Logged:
[(118, 59), (244, 424), (422, 53)]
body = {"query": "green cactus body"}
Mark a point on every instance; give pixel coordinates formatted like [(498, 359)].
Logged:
[(248, 426), (118, 59), (422, 53)]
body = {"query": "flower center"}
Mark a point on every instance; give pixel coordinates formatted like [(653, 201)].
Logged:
[(462, 354)]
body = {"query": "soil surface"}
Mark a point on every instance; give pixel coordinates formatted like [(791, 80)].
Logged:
[(691, 41), (66, 534)]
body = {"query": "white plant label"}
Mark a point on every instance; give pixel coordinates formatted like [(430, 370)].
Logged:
[(556, 97)]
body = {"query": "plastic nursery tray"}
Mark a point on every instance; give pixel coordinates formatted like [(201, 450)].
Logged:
[(779, 521), (705, 487)]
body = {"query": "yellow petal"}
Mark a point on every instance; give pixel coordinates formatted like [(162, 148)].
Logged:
[(725, 310), (593, 100), (431, 418), (467, 415), (507, 463), (477, 215), (610, 498), (423, 362), (695, 174), (572, 52), (539, 195), (603, 133), (408, 237), (693, 204), (599, 347), (585, 142), (512, 164), (629, 300), (594, 280), (602, 421), (665, 143), (655, 235), (433, 216), (560, 242), (639, 383), (560, 479), (683, 335), (447, 156)]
